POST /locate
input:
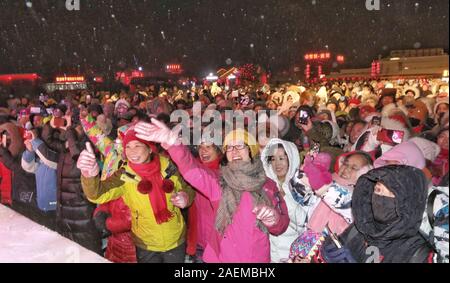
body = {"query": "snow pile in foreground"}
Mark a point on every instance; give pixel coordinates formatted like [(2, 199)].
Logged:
[(24, 241)]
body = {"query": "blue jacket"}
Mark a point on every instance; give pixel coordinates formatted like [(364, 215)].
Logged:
[(43, 163)]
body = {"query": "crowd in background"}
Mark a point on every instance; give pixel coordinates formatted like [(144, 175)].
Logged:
[(352, 166)]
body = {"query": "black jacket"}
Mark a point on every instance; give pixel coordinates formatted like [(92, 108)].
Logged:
[(401, 240), (74, 212)]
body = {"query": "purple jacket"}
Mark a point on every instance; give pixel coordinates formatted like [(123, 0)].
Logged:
[(243, 241)]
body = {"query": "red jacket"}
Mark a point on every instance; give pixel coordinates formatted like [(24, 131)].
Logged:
[(5, 185), (121, 248)]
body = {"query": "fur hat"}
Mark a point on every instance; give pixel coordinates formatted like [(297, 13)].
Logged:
[(121, 102), (418, 111), (429, 103), (415, 90), (392, 109)]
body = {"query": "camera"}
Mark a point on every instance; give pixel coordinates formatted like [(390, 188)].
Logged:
[(303, 118), (390, 137)]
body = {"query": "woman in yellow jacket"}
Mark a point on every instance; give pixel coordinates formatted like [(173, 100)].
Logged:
[(153, 195)]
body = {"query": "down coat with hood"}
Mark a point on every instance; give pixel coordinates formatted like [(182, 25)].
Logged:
[(74, 212), (400, 241), (280, 245)]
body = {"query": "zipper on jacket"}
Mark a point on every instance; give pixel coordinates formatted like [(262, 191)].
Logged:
[(137, 218)]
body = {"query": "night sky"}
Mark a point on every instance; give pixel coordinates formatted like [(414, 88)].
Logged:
[(107, 35)]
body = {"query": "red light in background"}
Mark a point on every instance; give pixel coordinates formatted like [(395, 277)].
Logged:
[(308, 71)]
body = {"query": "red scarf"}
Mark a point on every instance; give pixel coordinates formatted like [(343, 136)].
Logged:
[(214, 165), (152, 184)]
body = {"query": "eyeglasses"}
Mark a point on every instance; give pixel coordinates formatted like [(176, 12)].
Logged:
[(230, 148), (273, 158)]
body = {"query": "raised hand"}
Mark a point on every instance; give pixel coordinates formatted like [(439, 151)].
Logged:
[(269, 216), (180, 199), (158, 132), (87, 163)]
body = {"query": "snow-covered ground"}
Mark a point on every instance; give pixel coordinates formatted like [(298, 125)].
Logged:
[(24, 241)]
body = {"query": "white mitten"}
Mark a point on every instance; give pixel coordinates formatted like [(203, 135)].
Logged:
[(87, 163), (180, 199), (157, 132), (268, 216)]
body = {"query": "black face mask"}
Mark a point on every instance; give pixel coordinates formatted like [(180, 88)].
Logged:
[(414, 122), (384, 209)]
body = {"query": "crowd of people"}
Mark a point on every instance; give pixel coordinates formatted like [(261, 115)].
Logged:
[(355, 172)]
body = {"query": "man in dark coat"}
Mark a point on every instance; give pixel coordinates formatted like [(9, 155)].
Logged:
[(74, 212), (388, 204)]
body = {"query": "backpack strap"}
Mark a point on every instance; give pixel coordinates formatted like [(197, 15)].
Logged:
[(430, 206)]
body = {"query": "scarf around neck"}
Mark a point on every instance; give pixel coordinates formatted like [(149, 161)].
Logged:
[(152, 184), (236, 178)]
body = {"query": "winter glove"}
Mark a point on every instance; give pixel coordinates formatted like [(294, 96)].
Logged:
[(100, 223), (267, 215), (333, 254), (157, 132), (87, 162), (180, 199)]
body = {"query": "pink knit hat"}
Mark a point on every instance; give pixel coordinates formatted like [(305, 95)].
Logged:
[(316, 169)]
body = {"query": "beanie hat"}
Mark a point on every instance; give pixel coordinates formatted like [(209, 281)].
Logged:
[(366, 110), (429, 149), (121, 102), (316, 169), (334, 101), (130, 135), (406, 153), (354, 101), (440, 101), (246, 137)]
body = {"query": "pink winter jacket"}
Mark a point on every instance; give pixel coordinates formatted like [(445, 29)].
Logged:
[(324, 215), (243, 241)]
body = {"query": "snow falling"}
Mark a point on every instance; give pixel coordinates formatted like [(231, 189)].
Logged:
[(44, 36)]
